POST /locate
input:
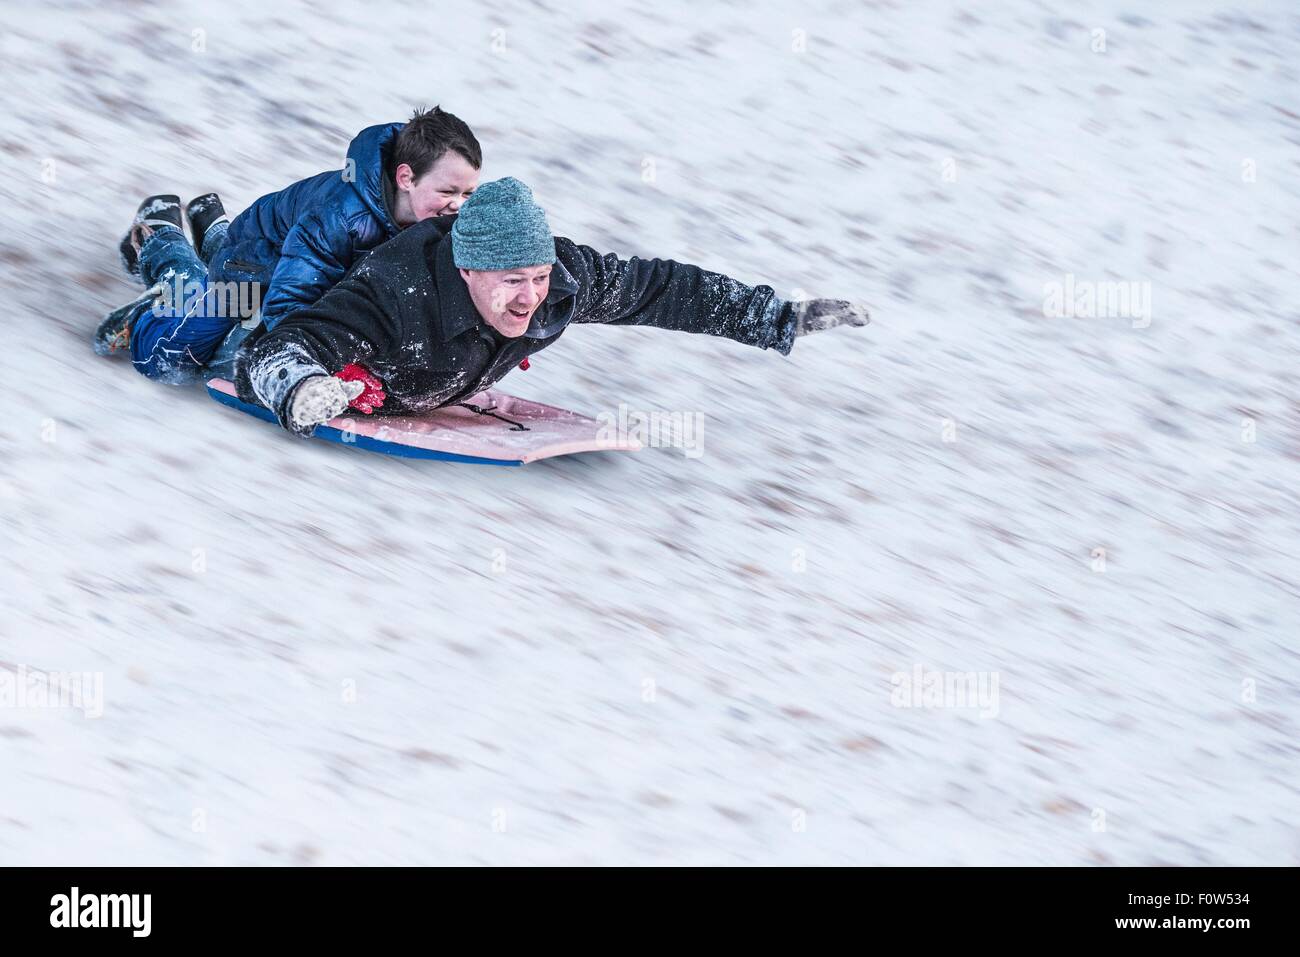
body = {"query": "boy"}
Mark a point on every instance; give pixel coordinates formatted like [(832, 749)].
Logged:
[(288, 248)]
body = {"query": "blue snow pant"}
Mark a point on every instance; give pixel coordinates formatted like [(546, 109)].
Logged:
[(191, 333)]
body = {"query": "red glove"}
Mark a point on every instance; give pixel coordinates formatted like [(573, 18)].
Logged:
[(372, 396)]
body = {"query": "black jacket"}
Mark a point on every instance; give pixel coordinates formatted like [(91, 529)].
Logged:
[(405, 313)]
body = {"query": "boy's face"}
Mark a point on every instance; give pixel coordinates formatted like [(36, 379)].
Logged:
[(507, 298), (439, 192)]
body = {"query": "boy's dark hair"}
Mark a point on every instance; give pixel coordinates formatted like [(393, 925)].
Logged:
[(429, 135)]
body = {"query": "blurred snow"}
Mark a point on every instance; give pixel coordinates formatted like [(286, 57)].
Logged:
[(311, 654)]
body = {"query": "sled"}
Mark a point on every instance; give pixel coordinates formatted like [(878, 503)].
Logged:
[(490, 428)]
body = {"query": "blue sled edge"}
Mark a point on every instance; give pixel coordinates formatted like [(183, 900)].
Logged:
[(360, 441)]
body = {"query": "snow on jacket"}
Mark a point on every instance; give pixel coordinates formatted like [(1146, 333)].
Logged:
[(300, 241), (405, 313)]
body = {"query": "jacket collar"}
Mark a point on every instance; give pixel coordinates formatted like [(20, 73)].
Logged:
[(368, 155), (456, 311)]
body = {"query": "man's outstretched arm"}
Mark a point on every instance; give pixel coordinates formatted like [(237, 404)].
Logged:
[(670, 295)]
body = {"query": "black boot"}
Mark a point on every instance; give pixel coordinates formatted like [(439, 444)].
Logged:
[(154, 213), (204, 212), (114, 333)]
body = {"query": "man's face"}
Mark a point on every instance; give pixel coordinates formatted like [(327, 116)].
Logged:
[(439, 192), (507, 298)]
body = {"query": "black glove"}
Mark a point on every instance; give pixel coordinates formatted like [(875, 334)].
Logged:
[(815, 315)]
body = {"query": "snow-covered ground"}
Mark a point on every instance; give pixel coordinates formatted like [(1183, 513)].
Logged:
[(314, 655)]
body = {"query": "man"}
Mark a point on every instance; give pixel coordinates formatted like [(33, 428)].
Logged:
[(450, 306), (291, 246)]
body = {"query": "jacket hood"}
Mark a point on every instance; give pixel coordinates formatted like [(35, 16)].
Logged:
[(366, 155)]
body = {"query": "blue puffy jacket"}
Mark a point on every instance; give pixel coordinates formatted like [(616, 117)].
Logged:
[(299, 242)]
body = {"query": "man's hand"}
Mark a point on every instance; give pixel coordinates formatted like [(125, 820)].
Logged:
[(814, 315), (319, 398)]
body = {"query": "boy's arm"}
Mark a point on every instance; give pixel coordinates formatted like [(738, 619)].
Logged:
[(315, 256)]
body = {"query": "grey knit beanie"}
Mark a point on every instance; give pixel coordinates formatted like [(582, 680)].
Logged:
[(500, 227)]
